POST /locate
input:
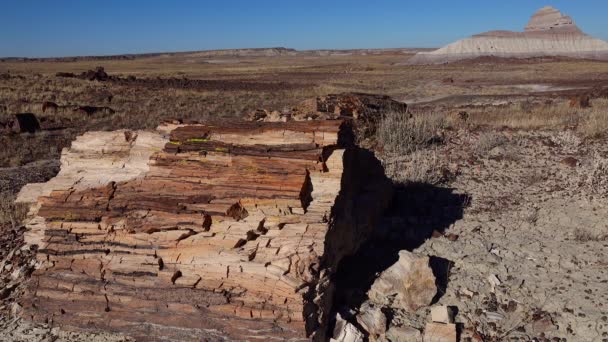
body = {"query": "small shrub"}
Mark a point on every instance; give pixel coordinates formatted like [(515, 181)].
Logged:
[(568, 140), (401, 134), (585, 235), (421, 167), (595, 122), (488, 141), (10, 212), (595, 176)]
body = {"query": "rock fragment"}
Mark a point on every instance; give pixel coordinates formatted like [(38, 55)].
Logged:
[(372, 319), (409, 284), (439, 332), (442, 314), (345, 332), (494, 281), (403, 334)]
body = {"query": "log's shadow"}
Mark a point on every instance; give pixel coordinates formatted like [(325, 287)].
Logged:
[(416, 213)]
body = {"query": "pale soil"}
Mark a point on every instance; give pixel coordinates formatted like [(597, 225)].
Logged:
[(536, 224), (18, 330)]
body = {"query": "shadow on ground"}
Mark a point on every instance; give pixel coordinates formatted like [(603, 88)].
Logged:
[(415, 213)]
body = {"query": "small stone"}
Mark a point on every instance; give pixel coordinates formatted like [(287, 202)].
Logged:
[(494, 281), (570, 161), (16, 309), (494, 316), (452, 237), (346, 332), (410, 281), (403, 334), (467, 292), (438, 332), (442, 314), (372, 320), (17, 273)]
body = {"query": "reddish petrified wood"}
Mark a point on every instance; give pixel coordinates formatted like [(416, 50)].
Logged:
[(229, 231)]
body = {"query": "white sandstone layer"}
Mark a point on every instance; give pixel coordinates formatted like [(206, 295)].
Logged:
[(549, 33)]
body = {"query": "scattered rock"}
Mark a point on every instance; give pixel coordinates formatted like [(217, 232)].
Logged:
[(438, 332), (570, 161), (268, 116), (494, 281), (346, 332), (494, 316), (49, 106), (99, 74), (467, 292), (442, 314), (65, 74), (91, 110), (580, 101), (452, 237), (366, 109), (409, 284), (16, 309), (372, 319), (20, 123), (403, 334)]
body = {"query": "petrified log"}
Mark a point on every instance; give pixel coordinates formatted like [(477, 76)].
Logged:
[(203, 231), (20, 123), (366, 109)]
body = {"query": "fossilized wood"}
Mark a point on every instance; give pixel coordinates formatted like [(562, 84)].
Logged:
[(202, 231)]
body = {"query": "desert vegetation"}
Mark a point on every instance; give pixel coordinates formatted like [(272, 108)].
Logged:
[(495, 175)]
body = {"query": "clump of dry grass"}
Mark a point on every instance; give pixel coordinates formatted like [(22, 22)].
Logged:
[(405, 142), (526, 116), (594, 176), (488, 141), (591, 122), (419, 167), (11, 213), (586, 235), (400, 134), (594, 120)]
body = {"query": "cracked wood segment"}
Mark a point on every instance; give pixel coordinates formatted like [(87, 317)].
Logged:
[(201, 231)]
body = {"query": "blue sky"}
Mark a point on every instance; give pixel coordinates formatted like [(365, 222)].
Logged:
[(100, 27)]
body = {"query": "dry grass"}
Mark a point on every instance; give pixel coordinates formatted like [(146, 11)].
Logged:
[(400, 134), (419, 167), (591, 122), (521, 116), (594, 175), (488, 141), (11, 213), (594, 121), (586, 235), (406, 144)]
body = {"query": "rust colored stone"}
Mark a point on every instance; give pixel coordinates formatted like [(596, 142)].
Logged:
[(197, 232)]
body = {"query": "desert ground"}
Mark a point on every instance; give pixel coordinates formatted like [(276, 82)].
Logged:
[(500, 171)]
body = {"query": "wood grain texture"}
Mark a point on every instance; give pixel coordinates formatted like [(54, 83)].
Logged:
[(226, 231)]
